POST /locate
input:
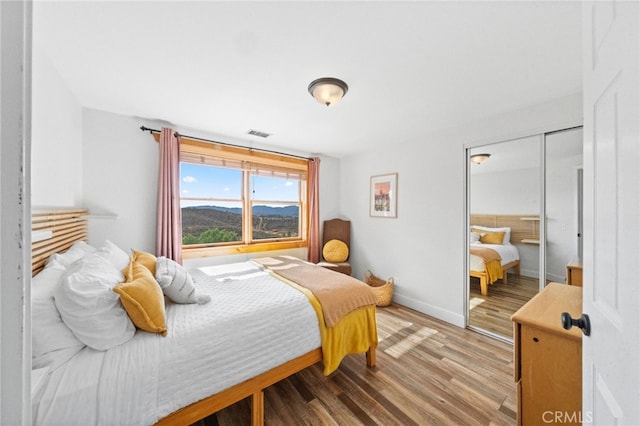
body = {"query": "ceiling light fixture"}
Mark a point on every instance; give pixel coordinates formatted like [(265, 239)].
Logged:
[(479, 158), (328, 90)]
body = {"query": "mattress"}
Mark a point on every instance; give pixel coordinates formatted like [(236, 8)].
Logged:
[(254, 322), (508, 253)]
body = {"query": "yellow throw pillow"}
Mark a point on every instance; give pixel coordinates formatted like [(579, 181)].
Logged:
[(492, 238), (143, 300), (147, 259), (335, 251)]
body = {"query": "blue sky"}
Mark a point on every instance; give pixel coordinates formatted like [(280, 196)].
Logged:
[(200, 181)]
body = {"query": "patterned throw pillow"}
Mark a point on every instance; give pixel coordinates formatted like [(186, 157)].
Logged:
[(176, 282)]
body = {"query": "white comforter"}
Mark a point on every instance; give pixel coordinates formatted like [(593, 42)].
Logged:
[(253, 323), (508, 253)]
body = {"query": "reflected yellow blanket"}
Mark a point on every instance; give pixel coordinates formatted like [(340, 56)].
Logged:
[(355, 333), (492, 262), (494, 271)]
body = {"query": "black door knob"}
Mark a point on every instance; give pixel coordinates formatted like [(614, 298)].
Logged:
[(582, 322)]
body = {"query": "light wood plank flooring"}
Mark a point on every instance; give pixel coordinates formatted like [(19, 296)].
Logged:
[(493, 312), (428, 373)]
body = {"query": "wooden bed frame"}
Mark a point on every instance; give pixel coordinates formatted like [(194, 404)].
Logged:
[(64, 227), (484, 279), (253, 387), (524, 229)]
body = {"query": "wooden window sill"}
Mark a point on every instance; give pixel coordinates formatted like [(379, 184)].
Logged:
[(195, 253)]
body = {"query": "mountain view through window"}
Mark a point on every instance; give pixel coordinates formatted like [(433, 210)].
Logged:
[(214, 201)]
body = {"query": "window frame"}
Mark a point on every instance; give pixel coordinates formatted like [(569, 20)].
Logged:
[(191, 148)]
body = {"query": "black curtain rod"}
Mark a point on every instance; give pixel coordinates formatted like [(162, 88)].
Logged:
[(152, 131)]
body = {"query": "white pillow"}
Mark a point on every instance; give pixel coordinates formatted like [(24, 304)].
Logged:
[(89, 306), (507, 232), (114, 254), (176, 282), (77, 251), (474, 237), (52, 341)]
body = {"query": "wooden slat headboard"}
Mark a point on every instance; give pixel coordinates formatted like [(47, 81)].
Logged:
[(523, 226), (66, 226)]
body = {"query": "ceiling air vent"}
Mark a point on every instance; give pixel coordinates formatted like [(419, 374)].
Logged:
[(259, 133)]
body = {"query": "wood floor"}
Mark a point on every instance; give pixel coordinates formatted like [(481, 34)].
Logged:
[(428, 373), (493, 312)]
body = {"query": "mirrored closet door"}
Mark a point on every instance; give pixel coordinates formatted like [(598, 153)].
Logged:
[(524, 199), (563, 206), (504, 203)]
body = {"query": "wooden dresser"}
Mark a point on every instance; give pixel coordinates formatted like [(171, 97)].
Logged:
[(548, 358), (574, 272)]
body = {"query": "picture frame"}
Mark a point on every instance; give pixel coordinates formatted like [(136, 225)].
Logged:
[(383, 196)]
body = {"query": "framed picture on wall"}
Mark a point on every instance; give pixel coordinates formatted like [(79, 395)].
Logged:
[(383, 201)]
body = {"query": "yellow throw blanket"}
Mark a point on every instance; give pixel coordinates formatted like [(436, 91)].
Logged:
[(337, 293), (492, 259), (355, 333)]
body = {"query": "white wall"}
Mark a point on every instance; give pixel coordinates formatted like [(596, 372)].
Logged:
[(510, 192), (506, 192), (562, 213), (424, 247), (56, 139), (120, 180)]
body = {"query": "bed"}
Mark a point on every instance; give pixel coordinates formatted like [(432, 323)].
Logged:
[(249, 329), (491, 255), (509, 259)]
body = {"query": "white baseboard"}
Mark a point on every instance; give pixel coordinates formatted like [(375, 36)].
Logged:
[(555, 278), (431, 310), (530, 273)]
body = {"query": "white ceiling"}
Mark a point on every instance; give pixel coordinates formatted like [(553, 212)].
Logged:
[(413, 68)]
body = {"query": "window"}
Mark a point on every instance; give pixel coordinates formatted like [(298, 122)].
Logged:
[(275, 207), (235, 200), (211, 204)]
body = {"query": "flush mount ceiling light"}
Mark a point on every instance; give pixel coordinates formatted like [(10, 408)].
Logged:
[(328, 90), (479, 158)]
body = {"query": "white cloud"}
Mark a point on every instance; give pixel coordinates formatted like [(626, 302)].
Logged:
[(227, 189), (189, 179), (185, 191), (288, 183)]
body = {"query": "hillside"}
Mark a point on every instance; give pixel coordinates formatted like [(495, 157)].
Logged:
[(208, 224)]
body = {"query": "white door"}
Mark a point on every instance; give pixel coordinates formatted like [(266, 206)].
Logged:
[(611, 355)]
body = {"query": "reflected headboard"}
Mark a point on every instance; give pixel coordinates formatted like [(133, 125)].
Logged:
[(525, 228), (55, 231)]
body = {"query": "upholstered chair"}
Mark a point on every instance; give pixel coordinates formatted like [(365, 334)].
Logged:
[(336, 243)]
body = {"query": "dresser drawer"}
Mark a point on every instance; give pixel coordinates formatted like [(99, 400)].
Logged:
[(551, 371)]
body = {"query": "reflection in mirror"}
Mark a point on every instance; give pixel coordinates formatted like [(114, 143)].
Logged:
[(563, 206), (504, 196)]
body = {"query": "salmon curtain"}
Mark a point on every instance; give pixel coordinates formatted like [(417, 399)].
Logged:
[(169, 223), (313, 201)]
